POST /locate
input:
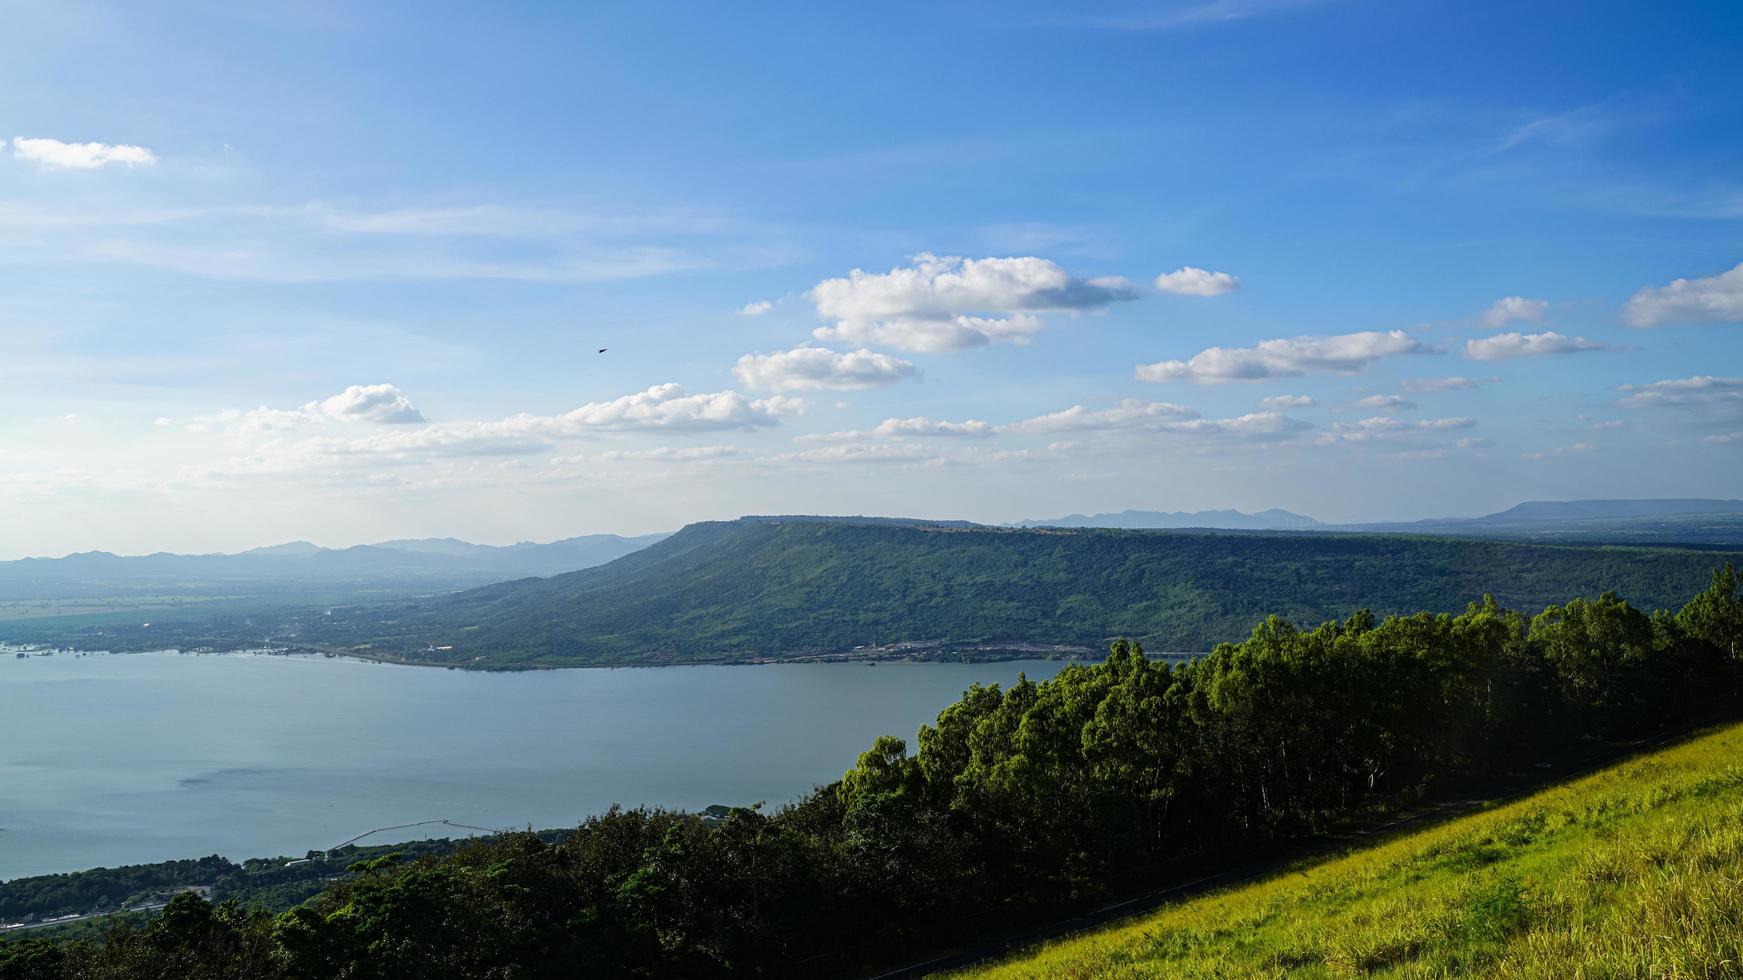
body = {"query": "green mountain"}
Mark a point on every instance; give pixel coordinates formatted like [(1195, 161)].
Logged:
[(783, 588)]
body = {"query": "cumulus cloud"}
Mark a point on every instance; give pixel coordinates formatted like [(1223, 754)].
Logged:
[(819, 367), (382, 404), (1436, 384), (944, 303), (1279, 402), (1285, 357), (372, 403), (756, 307), (933, 336), (1191, 281), (52, 154), (1509, 345), (668, 407), (921, 426), (1715, 299), (1509, 308)]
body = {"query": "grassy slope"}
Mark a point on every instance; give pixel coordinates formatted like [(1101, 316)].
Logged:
[(1636, 871), (723, 591)]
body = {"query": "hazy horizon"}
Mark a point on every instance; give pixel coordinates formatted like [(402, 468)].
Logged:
[(1359, 261)]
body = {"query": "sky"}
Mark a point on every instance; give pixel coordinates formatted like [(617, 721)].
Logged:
[(341, 271)]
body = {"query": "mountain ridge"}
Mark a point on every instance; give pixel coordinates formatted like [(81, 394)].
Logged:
[(733, 591)]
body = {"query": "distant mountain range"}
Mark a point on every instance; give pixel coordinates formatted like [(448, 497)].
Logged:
[(298, 565), (1655, 521), (1265, 520), (1668, 521)]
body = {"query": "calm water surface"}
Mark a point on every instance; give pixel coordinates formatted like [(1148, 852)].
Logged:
[(108, 760)]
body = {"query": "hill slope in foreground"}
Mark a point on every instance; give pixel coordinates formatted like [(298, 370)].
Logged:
[(1631, 872), (767, 588)]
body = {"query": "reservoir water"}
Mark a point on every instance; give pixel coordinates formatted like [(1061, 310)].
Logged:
[(122, 759)]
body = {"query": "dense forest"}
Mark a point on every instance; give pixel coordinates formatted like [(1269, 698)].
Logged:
[(1016, 803)]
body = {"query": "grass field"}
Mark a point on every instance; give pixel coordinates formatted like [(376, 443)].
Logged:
[(1635, 871)]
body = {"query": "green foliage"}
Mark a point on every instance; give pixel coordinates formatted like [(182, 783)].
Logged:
[(1020, 804)]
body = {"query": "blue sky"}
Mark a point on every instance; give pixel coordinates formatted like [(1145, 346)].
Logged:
[(339, 271)]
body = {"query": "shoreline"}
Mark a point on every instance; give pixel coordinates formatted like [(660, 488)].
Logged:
[(984, 654)]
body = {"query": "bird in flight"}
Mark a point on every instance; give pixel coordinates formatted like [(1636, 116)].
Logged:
[(603, 349)]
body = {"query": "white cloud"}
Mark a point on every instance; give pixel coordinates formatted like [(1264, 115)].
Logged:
[(922, 426), (1508, 345), (818, 367), (1279, 402), (52, 154), (1382, 403), (1135, 415), (950, 303), (1132, 413), (1578, 447), (1191, 281), (875, 452), (382, 404), (673, 454), (1437, 384), (342, 456), (1382, 427), (1284, 358), (756, 307), (372, 403), (1717, 299), (1509, 308), (933, 336), (1700, 401), (667, 407)]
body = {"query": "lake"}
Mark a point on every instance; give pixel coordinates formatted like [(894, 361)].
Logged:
[(123, 759)]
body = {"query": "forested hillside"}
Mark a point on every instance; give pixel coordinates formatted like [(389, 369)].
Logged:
[(1025, 803), (764, 588)]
